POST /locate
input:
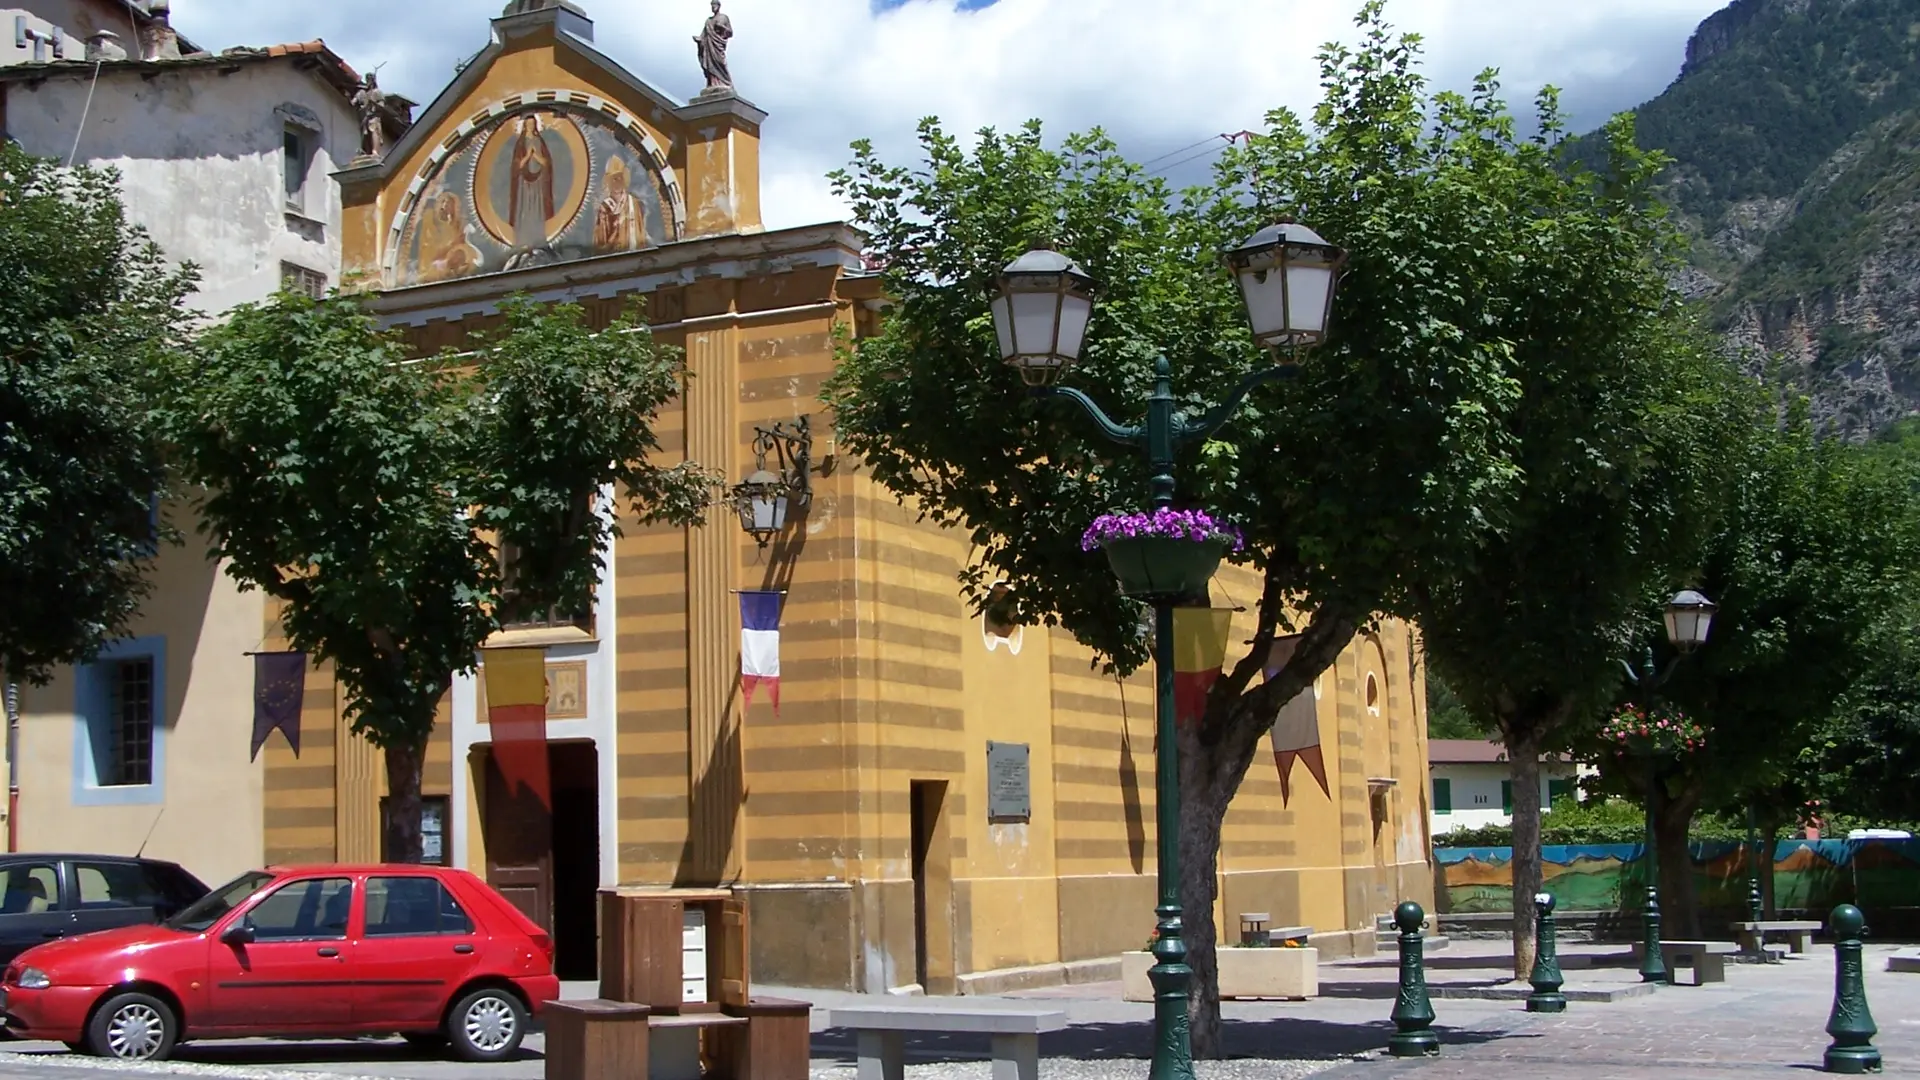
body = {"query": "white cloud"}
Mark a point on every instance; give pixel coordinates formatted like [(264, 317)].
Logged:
[(1157, 74)]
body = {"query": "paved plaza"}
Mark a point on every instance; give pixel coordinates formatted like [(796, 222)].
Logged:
[(1765, 1019)]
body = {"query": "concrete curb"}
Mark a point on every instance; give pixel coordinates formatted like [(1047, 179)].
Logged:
[(1905, 960), (1517, 993)]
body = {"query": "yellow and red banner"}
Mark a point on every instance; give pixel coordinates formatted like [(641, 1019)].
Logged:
[(1199, 652), (516, 681)]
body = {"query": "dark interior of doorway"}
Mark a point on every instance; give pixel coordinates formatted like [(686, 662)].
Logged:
[(576, 859)]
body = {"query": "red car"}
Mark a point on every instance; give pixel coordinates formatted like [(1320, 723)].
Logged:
[(431, 953)]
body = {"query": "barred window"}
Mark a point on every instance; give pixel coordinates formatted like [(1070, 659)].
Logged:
[(129, 743), (298, 279), (549, 618)]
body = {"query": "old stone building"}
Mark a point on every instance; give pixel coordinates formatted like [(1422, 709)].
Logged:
[(856, 817)]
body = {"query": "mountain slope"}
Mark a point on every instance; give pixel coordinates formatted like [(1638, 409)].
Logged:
[(1795, 132)]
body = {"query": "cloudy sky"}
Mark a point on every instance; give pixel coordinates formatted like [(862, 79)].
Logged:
[(1160, 75)]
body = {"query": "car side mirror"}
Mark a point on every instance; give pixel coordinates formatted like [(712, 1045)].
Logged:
[(240, 933)]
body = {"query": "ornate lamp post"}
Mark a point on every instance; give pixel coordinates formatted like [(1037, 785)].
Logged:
[(1688, 617), (1044, 302)]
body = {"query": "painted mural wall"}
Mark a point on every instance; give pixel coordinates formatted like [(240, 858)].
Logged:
[(542, 184), (1808, 875)]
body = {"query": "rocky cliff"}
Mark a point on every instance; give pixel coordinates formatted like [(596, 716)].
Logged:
[(1795, 132)]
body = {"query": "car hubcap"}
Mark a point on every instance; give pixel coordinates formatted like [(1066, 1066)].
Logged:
[(134, 1032), (490, 1024)]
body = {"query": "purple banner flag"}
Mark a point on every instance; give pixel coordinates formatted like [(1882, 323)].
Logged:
[(279, 684)]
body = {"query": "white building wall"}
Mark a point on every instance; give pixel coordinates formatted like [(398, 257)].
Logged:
[(1476, 794), (200, 158)]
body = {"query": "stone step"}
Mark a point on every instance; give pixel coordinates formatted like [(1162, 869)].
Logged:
[(1905, 960)]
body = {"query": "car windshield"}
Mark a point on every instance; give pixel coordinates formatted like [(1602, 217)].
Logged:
[(209, 909)]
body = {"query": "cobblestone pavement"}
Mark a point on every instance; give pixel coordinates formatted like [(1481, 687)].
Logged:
[(1765, 1019)]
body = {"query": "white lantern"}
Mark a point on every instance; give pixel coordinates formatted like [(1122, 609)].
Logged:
[(1287, 275), (761, 501), (1689, 616), (1040, 313)]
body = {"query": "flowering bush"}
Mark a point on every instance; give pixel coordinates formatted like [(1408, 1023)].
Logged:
[(1662, 729), (1195, 525)]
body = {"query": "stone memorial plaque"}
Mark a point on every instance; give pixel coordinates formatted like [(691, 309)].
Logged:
[(1009, 784)]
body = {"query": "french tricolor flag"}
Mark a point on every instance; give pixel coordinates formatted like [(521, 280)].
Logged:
[(760, 646)]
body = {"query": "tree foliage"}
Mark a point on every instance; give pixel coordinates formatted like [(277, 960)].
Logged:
[(87, 306), (1366, 484), (370, 491)]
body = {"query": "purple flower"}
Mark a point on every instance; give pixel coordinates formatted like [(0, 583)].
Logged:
[(1195, 525)]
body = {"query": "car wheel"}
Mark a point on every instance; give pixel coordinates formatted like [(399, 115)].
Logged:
[(486, 1025), (133, 1027)]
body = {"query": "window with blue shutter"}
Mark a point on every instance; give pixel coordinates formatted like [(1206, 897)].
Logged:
[(1442, 795)]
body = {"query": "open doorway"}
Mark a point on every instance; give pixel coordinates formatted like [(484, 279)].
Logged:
[(546, 860), (932, 887)]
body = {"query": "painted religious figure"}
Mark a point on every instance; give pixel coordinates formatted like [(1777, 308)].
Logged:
[(445, 250), (620, 221), (530, 201), (711, 46)]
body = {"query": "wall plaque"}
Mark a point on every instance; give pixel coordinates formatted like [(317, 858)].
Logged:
[(1009, 784)]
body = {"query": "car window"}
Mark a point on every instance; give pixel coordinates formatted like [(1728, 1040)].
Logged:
[(115, 885), (412, 906), (303, 911), (211, 908), (178, 886), (29, 888)]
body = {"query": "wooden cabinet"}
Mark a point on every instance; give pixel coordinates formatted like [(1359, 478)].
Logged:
[(673, 950), (594, 1040)]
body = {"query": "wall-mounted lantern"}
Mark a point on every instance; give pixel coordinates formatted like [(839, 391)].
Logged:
[(765, 498)]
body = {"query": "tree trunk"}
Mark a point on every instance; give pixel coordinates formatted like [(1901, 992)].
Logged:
[(1523, 763), (1203, 814), (401, 829), (1679, 897), (1770, 843)]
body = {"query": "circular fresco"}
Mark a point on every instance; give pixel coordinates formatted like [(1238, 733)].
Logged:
[(530, 178)]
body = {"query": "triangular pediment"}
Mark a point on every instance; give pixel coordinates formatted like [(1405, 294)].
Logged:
[(544, 150)]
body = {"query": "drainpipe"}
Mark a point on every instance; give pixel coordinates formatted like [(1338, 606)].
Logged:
[(13, 767)]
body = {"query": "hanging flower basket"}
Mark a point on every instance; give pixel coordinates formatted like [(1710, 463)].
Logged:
[(1162, 553), (1662, 731)]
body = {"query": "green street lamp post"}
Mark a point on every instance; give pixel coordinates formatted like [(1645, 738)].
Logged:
[(1546, 978), (1851, 1022), (1041, 309), (1688, 617)]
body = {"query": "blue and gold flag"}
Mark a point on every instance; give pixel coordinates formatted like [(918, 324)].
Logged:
[(279, 683)]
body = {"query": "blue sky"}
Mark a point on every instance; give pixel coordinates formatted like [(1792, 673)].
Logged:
[(1159, 75)]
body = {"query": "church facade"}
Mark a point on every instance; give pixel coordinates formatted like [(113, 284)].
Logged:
[(935, 800)]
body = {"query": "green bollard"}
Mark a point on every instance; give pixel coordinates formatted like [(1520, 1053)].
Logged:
[(1412, 1012), (1546, 980), (1851, 1024)]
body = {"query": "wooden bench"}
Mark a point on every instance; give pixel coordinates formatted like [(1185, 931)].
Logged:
[(1753, 935), (1708, 959), (881, 1032), (596, 1039)]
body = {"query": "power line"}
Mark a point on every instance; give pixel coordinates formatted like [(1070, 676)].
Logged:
[(1227, 139)]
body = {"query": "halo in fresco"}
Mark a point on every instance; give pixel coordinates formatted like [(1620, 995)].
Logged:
[(538, 185)]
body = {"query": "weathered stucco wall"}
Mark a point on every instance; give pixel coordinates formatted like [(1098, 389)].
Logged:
[(200, 158)]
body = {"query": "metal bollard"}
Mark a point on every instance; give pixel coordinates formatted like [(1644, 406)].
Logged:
[(1546, 980), (1412, 1011), (1851, 1024)]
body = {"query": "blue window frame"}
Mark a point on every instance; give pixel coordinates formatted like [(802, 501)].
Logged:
[(119, 739)]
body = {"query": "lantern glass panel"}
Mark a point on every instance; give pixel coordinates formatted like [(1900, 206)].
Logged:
[(1309, 286), (1003, 325), (1036, 315)]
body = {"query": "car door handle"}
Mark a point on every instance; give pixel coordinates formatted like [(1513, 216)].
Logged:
[(329, 952), (463, 949)]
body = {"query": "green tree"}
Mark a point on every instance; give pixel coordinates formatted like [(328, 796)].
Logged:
[(1625, 418), (1817, 541), (87, 306), (1364, 483), (1447, 718), (369, 491)]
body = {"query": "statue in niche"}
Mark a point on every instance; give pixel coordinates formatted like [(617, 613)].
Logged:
[(530, 185), (620, 221), (712, 48), (445, 251)]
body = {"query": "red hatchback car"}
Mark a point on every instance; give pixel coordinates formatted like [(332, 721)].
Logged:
[(430, 953)]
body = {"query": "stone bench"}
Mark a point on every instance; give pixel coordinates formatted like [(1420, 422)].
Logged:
[(881, 1031), (1753, 935), (1708, 959)]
